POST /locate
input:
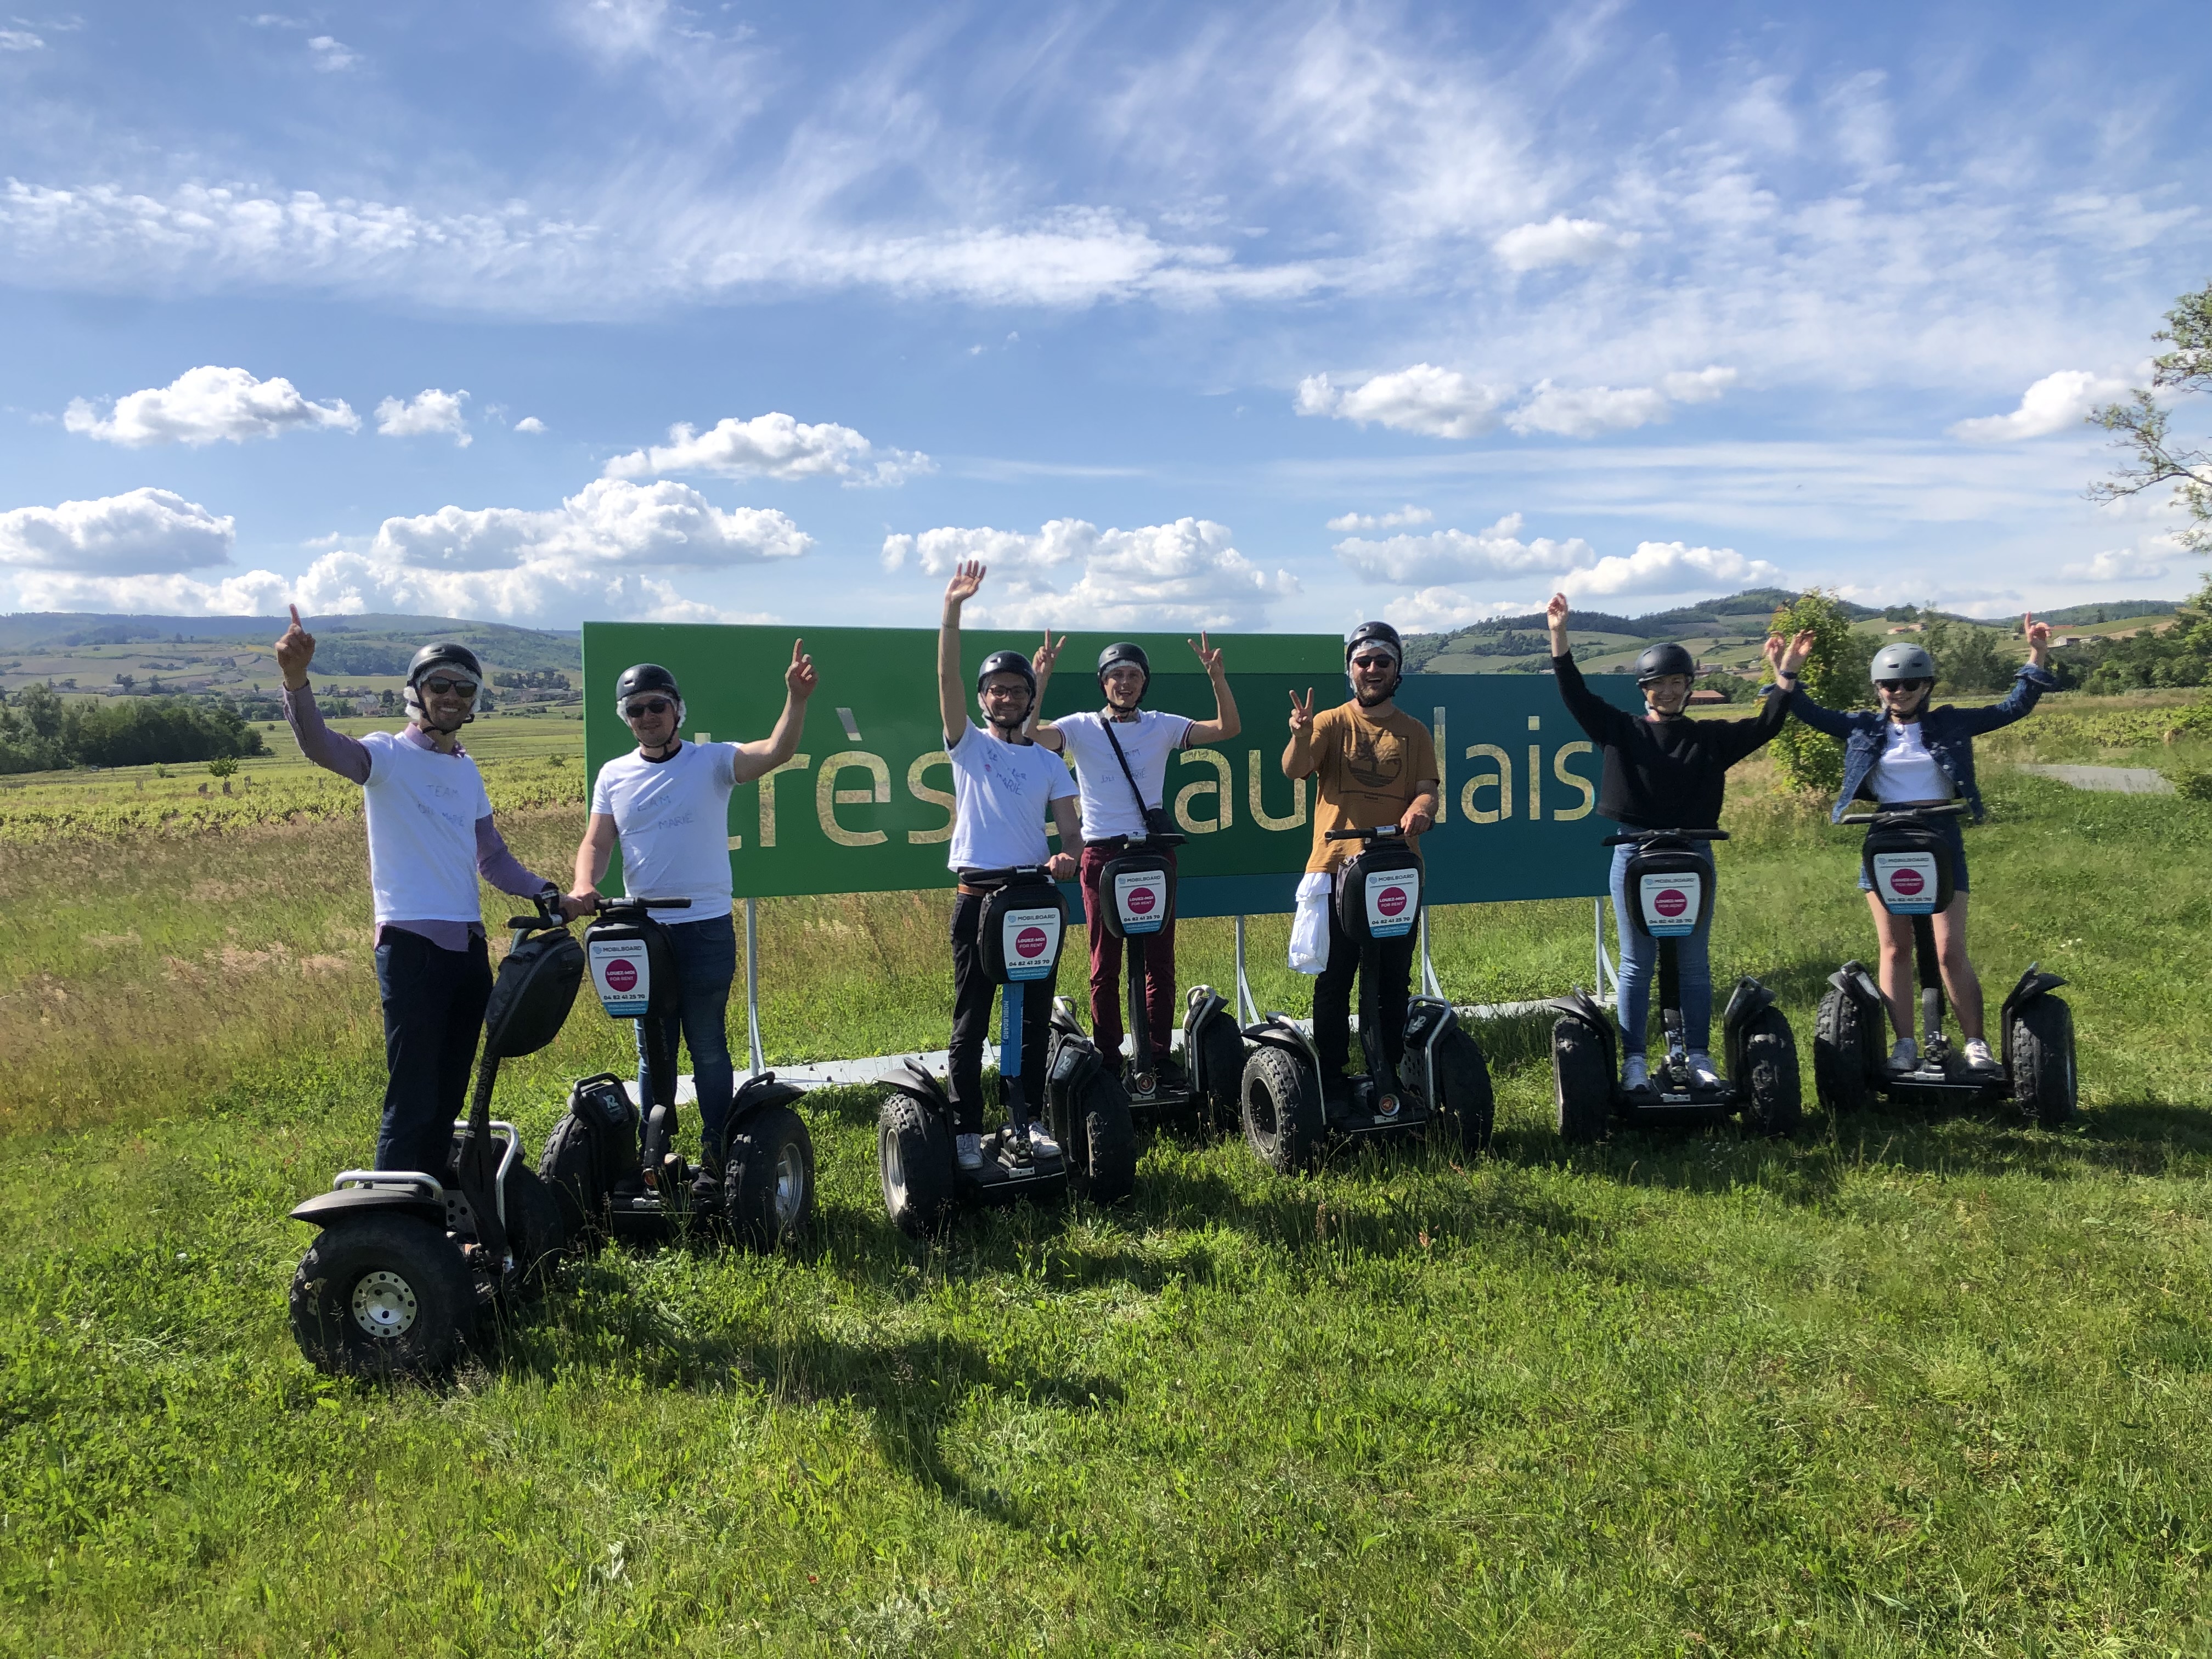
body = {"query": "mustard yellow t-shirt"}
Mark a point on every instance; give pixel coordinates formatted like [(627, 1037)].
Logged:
[(1366, 771)]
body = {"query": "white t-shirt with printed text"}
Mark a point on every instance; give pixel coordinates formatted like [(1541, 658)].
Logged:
[(1108, 807), (1000, 793), (423, 806), (673, 818)]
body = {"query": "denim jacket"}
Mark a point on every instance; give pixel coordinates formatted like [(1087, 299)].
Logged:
[(1948, 732)]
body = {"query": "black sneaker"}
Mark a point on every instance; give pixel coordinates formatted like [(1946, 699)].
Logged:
[(1169, 1072), (707, 1189)]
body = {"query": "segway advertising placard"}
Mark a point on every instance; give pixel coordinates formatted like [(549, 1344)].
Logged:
[(1140, 900), (1394, 902), (1908, 883), (1672, 901), (1032, 942), (623, 975)]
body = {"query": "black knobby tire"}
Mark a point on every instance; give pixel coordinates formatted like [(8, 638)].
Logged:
[(768, 1181), (1101, 1142), (568, 1164), (1466, 1109), (1223, 1046), (1775, 1097), (535, 1233), (1840, 1040), (382, 1296), (2042, 1078), (1581, 1081), (914, 1159), (1281, 1110)]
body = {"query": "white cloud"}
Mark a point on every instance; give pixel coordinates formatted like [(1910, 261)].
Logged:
[(428, 411), (608, 522), (255, 593), (530, 424), (206, 405), (2148, 560), (1560, 240), (1404, 515), (1699, 385), (1183, 574), (20, 41), (2052, 404), (1587, 411), (142, 532), (1439, 403), (773, 445), (331, 55), (1456, 556), (1670, 568), (1440, 610)]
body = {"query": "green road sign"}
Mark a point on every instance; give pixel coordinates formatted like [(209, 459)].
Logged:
[(866, 804)]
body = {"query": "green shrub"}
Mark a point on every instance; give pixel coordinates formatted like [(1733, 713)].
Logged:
[(1835, 676)]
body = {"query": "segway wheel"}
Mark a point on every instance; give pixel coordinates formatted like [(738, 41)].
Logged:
[(1582, 1082), (1099, 1142), (380, 1296), (534, 1232), (1841, 1074), (1777, 1097), (1281, 1111), (768, 1181), (1223, 1060), (2043, 1080), (1467, 1108), (914, 1156), (568, 1165)]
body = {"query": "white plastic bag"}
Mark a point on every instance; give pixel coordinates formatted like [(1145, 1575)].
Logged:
[(1309, 926)]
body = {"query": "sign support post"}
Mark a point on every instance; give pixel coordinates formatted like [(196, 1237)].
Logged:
[(1248, 1010), (752, 983)]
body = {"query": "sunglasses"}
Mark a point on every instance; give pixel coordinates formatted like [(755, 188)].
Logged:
[(439, 686), (1895, 686), (638, 711)]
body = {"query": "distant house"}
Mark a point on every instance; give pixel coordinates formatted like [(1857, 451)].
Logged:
[(1906, 628), (1700, 699)]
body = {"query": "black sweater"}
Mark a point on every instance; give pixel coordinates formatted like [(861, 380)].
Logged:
[(1664, 774)]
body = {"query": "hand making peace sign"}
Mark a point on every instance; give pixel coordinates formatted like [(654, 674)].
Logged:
[(1047, 655), (1209, 655), (1301, 713)]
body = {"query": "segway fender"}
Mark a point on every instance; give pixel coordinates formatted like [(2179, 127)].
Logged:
[(327, 1209), (1578, 1003), (2033, 984), (758, 1094), (1746, 1003), (1853, 981)]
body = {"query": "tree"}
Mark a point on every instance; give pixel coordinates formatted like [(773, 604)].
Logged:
[(1967, 658), (2142, 428), (1834, 675)]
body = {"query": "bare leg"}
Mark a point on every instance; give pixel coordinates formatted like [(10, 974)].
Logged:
[(1896, 968), (1960, 984)]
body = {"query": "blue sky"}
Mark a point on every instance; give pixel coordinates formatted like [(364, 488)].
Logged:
[(1265, 317)]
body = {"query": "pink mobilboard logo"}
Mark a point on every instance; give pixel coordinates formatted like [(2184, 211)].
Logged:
[(1391, 901), (1671, 901), (1907, 882), (1029, 942), (622, 976), (1142, 899)]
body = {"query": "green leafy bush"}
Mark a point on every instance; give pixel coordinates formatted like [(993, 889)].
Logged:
[(1835, 676), (43, 732)]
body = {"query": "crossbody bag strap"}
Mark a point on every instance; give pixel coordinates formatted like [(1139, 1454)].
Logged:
[(1142, 809)]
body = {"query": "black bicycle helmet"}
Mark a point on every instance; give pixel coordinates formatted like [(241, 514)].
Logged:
[(1657, 661), (1124, 651), (1009, 662), (641, 676), (1376, 633), (446, 653)]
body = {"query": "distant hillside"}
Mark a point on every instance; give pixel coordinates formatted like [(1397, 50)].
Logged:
[(370, 644), (2113, 611), (1523, 637)]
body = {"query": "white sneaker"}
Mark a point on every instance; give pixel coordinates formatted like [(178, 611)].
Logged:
[(1635, 1072), (1041, 1143), (1905, 1056), (968, 1151), (1978, 1055), (1701, 1074)]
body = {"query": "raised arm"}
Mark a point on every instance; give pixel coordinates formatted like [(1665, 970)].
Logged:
[(951, 688), (1225, 723), (1042, 730), (2032, 678), (331, 751), (764, 755), (1835, 722), (1598, 719), (1300, 760)]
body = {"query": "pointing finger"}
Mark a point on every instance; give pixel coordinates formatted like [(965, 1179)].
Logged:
[(295, 616)]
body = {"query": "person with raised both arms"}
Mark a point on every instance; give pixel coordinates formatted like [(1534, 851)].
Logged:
[(1121, 759), (430, 835), (667, 803), (1663, 770), (1372, 764), (1004, 782)]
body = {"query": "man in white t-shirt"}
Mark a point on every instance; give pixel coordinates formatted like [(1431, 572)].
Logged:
[(667, 802), (1111, 785), (1003, 784), (430, 835)]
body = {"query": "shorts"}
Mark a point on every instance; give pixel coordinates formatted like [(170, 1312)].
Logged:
[(1949, 828)]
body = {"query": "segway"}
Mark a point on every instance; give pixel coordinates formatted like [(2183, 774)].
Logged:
[(1019, 933), (410, 1260), (1909, 862), (1670, 885), (612, 1185), (1442, 1091), (1137, 889)]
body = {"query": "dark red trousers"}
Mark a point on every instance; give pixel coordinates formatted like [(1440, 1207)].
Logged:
[(1106, 964)]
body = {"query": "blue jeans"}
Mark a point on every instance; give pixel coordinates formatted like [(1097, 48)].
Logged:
[(1639, 957), (706, 957)]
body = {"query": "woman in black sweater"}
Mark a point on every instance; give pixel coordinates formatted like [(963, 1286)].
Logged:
[(1664, 771)]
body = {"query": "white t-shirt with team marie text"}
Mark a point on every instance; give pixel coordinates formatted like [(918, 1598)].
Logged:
[(1000, 793), (423, 806), (673, 818), (1108, 807)]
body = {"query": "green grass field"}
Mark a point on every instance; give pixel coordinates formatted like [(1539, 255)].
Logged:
[(1900, 1385)]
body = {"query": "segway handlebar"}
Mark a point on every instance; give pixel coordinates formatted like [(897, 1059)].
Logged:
[(549, 914), (1951, 809), (631, 907), (1379, 832), (1638, 837), (1003, 878)]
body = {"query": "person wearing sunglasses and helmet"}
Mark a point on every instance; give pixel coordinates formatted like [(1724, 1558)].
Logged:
[(1004, 782), (667, 805), (1121, 759), (1907, 754), (1663, 770), (1372, 764), (430, 835)]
